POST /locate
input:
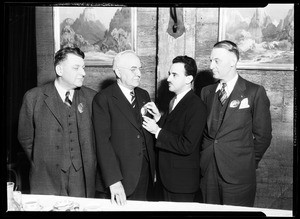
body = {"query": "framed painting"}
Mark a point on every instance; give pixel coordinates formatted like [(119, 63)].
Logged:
[(265, 36), (100, 32)]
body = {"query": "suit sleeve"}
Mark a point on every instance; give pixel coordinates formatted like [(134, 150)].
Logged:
[(109, 168), (185, 142), (261, 128), (26, 125)]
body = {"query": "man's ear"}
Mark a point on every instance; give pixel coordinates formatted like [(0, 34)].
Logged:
[(234, 60), (117, 72), (189, 79), (58, 70)]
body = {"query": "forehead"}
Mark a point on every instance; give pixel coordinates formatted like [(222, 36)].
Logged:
[(73, 59), (130, 60), (220, 53), (177, 68)]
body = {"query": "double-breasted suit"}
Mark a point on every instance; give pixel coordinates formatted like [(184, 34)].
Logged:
[(120, 138), (241, 136), (179, 145), (41, 133)]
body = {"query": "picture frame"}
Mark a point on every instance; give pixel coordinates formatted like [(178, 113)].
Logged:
[(264, 36), (100, 32)]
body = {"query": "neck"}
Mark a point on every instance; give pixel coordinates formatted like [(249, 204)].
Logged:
[(183, 90)]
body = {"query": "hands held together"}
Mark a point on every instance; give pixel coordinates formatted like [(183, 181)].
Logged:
[(148, 123)]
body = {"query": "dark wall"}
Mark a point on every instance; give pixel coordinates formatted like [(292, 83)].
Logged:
[(19, 76)]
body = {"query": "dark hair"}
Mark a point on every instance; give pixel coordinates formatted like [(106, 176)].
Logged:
[(190, 65), (230, 46), (61, 54)]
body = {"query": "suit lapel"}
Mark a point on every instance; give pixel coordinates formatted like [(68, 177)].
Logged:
[(183, 103), (210, 99), (236, 95), (52, 98), (123, 105)]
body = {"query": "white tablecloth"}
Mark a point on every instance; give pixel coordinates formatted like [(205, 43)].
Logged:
[(90, 204)]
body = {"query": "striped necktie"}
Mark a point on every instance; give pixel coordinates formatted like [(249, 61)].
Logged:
[(222, 94), (171, 104), (67, 99), (133, 99)]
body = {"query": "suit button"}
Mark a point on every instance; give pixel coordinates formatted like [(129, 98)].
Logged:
[(138, 136), (71, 149), (57, 147), (58, 130), (216, 142)]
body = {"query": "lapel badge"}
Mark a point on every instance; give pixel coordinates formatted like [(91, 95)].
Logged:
[(234, 103), (80, 107)]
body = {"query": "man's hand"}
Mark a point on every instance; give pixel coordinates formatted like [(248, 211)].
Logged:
[(153, 110), (117, 193), (150, 125)]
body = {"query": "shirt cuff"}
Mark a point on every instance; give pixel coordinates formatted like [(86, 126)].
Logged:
[(156, 120), (156, 134)]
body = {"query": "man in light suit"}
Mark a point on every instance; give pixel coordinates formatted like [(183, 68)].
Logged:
[(124, 149), (178, 133), (56, 132), (237, 134)]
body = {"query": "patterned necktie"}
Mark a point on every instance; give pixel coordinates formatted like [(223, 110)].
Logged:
[(133, 100), (222, 94), (67, 100), (171, 105)]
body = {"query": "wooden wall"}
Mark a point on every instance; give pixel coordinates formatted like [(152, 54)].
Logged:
[(157, 48)]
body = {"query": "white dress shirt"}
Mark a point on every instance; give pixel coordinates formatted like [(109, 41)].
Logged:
[(126, 92), (176, 101), (62, 91), (230, 85)]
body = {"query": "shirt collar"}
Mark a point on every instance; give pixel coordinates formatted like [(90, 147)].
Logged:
[(125, 91), (230, 85), (62, 91)]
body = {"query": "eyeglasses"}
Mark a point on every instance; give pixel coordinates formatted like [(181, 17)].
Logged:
[(132, 69)]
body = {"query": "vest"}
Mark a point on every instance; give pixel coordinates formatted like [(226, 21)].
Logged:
[(139, 120), (218, 113), (71, 146)]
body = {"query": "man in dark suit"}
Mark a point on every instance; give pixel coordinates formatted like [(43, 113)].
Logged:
[(178, 133), (56, 131), (237, 134), (124, 149)]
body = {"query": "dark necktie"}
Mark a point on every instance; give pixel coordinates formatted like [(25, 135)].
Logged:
[(133, 100), (222, 94), (67, 99), (172, 103)]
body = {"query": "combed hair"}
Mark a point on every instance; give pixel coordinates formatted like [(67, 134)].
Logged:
[(190, 65), (118, 57), (230, 46), (61, 54)]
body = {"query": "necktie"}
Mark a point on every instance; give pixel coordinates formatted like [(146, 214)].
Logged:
[(133, 100), (67, 100), (171, 105), (222, 94)]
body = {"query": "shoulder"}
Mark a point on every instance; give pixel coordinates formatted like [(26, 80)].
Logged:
[(37, 91), (250, 86), (88, 91)]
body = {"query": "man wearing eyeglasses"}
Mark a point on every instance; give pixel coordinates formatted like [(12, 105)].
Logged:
[(124, 149)]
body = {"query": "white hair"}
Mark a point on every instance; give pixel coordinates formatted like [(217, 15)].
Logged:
[(117, 58)]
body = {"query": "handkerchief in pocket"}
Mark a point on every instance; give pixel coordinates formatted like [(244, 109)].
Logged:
[(244, 104)]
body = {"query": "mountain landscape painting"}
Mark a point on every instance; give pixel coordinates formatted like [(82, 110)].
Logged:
[(100, 32), (265, 36)]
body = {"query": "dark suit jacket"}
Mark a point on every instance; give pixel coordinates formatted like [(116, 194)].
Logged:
[(243, 136), (41, 132), (119, 138), (179, 145)]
